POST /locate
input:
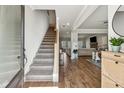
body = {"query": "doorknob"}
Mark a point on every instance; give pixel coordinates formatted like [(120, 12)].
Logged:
[(117, 55)]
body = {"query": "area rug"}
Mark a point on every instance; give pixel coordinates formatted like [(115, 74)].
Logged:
[(98, 64)]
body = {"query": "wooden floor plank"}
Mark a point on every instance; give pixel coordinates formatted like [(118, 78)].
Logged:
[(79, 74)]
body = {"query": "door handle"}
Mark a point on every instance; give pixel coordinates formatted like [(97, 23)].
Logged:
[(116, 62), (117, 55), (18, 57), (116, 85)]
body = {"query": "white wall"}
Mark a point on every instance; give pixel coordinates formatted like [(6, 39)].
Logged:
[(74, 37), (36, 25), (52, 18), (80, 44), (88, 42), (111, 11), (91, 31), (65, 44), (101, 39)]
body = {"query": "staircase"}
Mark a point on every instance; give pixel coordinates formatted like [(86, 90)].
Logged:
[(42, 67)]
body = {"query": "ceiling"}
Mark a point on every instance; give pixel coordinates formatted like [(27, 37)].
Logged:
[(94, 21), (97, 20), (68, 14)]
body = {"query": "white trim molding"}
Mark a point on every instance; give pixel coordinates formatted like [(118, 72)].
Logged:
[(92, 31)]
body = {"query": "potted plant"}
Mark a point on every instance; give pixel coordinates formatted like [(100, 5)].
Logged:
[(116, 43)]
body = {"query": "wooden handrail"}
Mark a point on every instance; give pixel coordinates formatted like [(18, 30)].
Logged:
[(56, 59)]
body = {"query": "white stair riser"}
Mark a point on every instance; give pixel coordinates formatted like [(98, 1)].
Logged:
[(47, 45), (42, 67), (44, 57), (50, 37), (43, 60), (45, 49), (48, 40), (34, 79), (44, 54)]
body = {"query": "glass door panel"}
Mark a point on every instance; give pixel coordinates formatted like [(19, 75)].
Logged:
[(10, 44)]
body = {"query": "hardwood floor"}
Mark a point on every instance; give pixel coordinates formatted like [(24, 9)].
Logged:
[(80, 74)]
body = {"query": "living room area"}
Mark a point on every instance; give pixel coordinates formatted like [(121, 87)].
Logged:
[(86, 65), (89, 45), (89, 39), (80, 50)]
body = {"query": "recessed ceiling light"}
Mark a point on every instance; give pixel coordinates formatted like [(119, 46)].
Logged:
[(65, 25)]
